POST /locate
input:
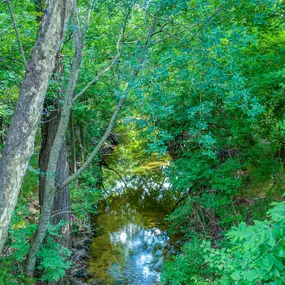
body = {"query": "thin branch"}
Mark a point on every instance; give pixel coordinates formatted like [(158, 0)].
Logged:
[(18, 35), (97, 148), (66, 211), (161, 28), (95, 80), (119, 175), (88, 16)]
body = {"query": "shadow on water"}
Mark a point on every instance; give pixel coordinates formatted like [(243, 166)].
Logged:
[(131, 241)]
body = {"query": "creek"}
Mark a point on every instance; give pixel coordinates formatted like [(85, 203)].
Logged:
[(131, 242)]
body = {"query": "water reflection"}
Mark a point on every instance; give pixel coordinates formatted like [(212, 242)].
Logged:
[(131, 243)]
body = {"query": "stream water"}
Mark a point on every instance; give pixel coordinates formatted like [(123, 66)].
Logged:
[(131, 242)]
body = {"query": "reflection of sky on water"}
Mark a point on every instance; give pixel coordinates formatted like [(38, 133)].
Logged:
[(143, 254)]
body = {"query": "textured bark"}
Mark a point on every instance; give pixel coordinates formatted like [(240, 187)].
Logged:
[(61, 204), (21, 134), (48, 131)]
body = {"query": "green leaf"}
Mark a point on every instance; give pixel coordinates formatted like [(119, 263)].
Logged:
[(250, 275), (280, 252), (236, 275)]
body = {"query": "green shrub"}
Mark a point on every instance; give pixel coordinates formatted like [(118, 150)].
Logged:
[(54, 258), (255, 255), (188, 267)]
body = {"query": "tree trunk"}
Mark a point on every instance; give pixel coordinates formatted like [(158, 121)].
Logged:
[(49, 128), (72, 140), (81, 143), (22, 131), (61, 206)]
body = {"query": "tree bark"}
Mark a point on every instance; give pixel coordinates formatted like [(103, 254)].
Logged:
[(61, 204), (21, 134)]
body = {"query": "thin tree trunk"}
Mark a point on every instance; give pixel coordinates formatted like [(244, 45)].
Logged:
[(22, 131), (61, 204), (79, 138), (48, 130), (82, 142), (72, 140)]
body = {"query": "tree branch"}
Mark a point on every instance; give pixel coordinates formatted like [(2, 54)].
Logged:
[(18, 35), (95, 80), (97, 148), (119, 175)]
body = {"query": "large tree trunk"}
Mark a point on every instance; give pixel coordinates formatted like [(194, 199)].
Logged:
[(21, 134)]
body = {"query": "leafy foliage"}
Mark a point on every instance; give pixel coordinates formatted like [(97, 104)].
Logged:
[(255, 254), (54, 258)]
